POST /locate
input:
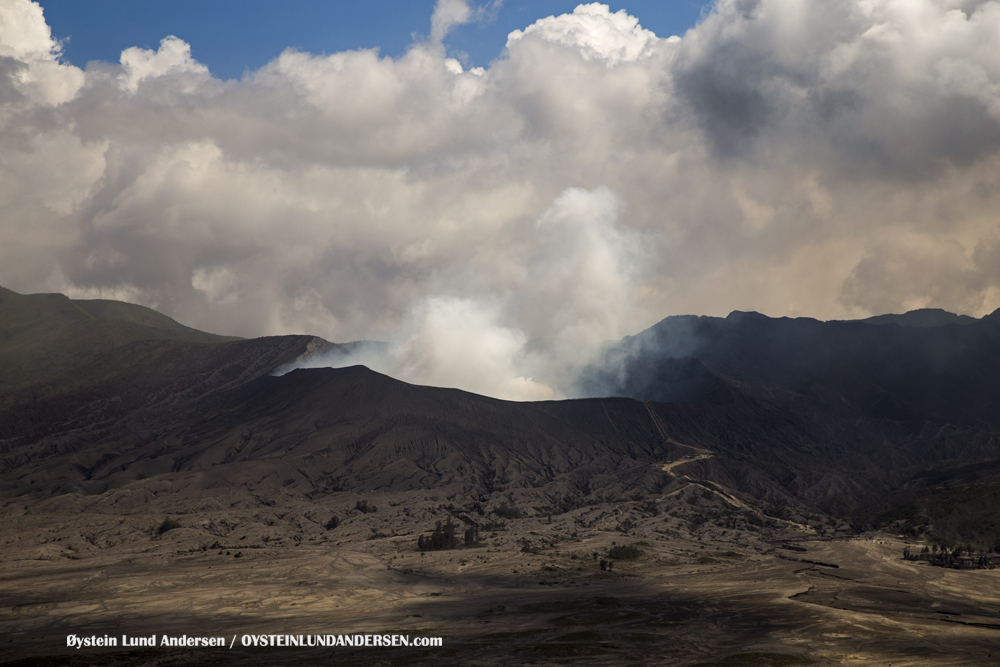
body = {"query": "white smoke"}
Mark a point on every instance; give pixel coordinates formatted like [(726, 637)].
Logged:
[(522, 333)]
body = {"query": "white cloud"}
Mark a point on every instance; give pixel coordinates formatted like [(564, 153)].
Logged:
[(595, 32), (27, 42), (448, 14), (173, 58), (793, 157)]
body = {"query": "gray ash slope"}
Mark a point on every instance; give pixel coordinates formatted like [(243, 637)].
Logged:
[(321, 431), (69, 369), (776, 416), (921, 390)]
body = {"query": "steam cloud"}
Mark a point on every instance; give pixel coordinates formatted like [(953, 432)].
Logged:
[(792, 157), (566, 290)]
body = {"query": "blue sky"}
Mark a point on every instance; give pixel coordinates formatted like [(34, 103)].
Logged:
[(231, 36)]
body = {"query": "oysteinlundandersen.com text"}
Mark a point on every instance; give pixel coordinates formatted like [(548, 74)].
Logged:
[(327, 640)]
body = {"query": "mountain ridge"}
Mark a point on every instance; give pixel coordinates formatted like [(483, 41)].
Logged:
[(785, 416), (851, 368)]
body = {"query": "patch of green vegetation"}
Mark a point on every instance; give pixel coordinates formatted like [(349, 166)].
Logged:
[(442, 538), (624, 552)]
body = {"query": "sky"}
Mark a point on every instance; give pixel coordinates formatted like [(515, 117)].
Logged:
[(232, 37), (497, 191)]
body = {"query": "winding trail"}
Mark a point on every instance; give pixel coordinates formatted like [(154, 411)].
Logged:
[(669, 467)]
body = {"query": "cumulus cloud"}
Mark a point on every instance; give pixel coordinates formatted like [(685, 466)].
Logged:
[(797, 158), (29, 57), (172, 58), (595, 33)]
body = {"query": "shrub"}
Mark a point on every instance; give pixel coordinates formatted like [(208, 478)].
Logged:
[(624, 552), (364, 507), (442, 538), (168, 524), (507, 512), (333, 522)]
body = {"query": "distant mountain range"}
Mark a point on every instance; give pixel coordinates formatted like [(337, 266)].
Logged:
[(888, 421), (923, 317), (926, 365)]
